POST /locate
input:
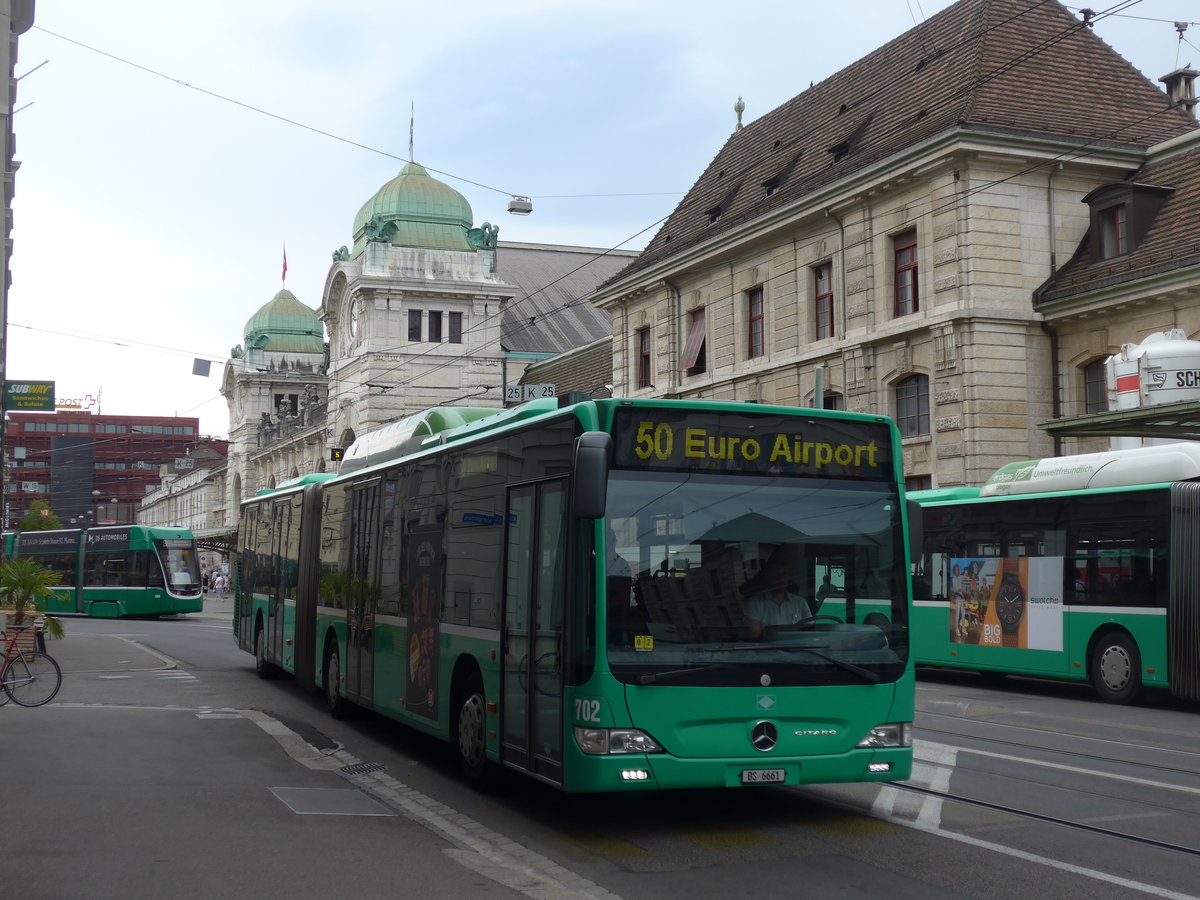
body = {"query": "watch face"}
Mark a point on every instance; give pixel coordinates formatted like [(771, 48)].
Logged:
[(1009, 603)]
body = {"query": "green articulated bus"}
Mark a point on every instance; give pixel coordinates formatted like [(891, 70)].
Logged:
[(1081, 567), (111, 571), (605, 595)]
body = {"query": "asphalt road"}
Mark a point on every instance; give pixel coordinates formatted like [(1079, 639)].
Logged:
[(165, 767)]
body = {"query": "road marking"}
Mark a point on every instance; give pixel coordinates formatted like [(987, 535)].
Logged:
[(724, 839), (941, 759), (934, 749), (476, 847)]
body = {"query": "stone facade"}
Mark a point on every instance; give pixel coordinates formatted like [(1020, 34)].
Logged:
[(970, 216)]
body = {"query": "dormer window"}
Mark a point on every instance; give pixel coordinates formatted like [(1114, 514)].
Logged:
[(1113, 239), (714, 214), (1121, 215)]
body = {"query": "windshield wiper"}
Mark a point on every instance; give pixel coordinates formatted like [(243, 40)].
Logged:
[(675, 673), (865, 674)]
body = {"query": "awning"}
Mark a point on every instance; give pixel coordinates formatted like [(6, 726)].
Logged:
[(1173, 421)]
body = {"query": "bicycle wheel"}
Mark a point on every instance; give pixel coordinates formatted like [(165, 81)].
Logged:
[(32, 679)]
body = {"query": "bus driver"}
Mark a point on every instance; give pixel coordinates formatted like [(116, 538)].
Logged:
[(774, 603)]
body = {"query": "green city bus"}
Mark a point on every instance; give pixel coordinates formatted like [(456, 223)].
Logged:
[(111, 571), (1080, 567), (565, 589)]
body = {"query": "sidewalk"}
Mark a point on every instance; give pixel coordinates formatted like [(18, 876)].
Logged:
[(80, 654)]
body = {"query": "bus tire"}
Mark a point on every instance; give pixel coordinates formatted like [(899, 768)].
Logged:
[(338, 705), (264, 669), (470, 733), (1116, 668)]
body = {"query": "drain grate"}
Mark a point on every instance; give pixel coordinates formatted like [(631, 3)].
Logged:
[(362, 768)]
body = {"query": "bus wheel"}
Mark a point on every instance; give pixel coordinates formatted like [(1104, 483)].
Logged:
[(1116, 669), (470, 733), (333, 674), (264, 669)]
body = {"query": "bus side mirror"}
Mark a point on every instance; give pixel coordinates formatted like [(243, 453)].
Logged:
[(916, 530), (589, 490)]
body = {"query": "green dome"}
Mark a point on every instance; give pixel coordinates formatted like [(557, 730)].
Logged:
[(415, 210), (285, 325)]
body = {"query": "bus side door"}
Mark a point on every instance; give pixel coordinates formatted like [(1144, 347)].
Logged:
[(534, 596), (360, 616)]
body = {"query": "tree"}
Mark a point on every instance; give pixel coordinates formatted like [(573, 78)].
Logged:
[(39, 517), (25, 586)]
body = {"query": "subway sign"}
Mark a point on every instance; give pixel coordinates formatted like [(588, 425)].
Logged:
[(751, 444), (29, 395)]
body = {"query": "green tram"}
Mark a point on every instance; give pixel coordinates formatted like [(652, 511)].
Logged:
[(111, 571), (605, 595), (1081, 567)]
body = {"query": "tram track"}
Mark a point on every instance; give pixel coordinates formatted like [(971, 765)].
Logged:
[(1050, 820), (1062, 752)]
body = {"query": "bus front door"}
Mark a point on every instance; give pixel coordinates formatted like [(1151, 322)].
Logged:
[(535, 588)]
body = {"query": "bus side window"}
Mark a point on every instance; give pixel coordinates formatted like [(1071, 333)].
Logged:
[(154, 575)]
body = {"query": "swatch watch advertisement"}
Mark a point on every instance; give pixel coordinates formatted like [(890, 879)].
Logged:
[(1012, 602)]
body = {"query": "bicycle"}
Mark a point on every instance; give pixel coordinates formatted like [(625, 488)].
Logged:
[(29, 678)]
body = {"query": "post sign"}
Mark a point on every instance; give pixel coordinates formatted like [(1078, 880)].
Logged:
[(30, 396)]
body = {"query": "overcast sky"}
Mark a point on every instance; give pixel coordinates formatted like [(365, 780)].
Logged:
[(153, 203)]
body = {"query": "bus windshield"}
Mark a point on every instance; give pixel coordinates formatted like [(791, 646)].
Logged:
[(181, 564), (741, 580)]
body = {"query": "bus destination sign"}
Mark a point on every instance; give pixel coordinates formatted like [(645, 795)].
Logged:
[(750, 443)]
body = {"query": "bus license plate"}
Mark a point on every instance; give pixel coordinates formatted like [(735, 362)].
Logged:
[(763, 776)]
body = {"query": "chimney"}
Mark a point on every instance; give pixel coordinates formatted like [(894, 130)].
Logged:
[(1181, 89)]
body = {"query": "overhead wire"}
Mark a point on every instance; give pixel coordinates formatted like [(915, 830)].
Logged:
[(519, 326), (1075, 152)]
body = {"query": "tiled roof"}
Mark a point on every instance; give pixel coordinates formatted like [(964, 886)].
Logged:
[(1015, 66), (547, 315), (1172, 242)]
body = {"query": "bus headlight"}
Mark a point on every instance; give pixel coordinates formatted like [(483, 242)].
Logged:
[(891, 734), (606, 741)]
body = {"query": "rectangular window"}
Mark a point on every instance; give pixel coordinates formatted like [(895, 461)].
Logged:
[(905, 246), (754, 322), (693, 360), (643, 338), (414, 324), (1113, 236), (823, 297), (1095, 387), (435, 327), (918, 482), (912, 405), (456, 327)]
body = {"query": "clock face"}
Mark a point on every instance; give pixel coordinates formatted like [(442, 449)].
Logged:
[(1008, 603)]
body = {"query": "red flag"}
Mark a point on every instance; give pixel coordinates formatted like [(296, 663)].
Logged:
[(285, 262)]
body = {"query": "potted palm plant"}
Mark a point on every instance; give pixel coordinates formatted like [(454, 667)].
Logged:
[(25, 586)]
